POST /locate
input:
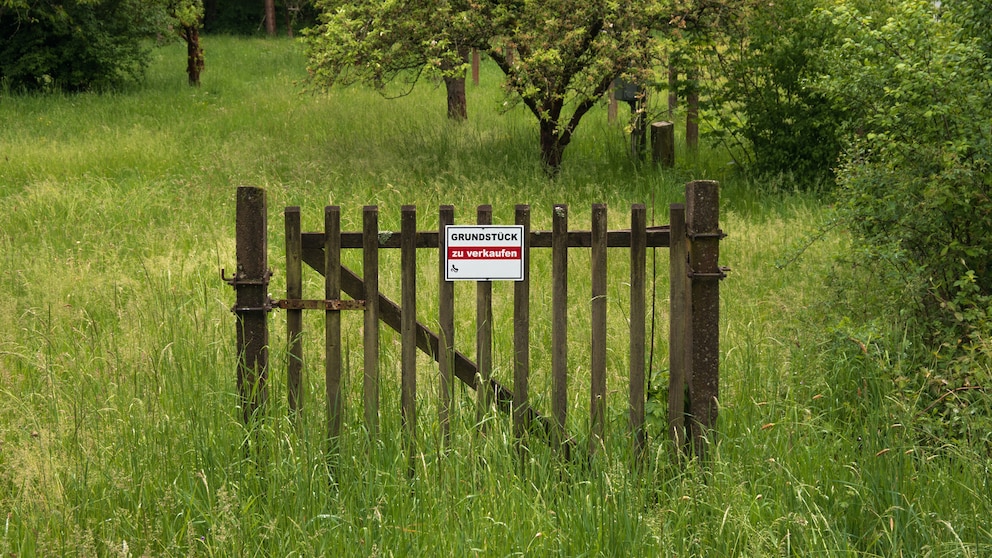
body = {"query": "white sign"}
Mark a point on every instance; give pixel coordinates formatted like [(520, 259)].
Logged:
[(483, 253)]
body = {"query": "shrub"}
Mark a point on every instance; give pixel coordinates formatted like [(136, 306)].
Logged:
[(75, 45), (764, 106), (915, 181)]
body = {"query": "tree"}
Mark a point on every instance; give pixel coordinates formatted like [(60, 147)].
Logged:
[(559, 57), (566, 54), (380, 42), (188, 17)]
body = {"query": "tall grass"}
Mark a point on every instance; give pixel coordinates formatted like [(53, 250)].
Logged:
[(120, 428)]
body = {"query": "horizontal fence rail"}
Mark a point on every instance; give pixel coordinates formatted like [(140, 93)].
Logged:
[(692, 237)]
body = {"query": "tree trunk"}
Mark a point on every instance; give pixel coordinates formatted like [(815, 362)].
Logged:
[(692, 112), (673, 93), (270, 17), (457, 107), (194, 53), (551, 147), (455, 86)]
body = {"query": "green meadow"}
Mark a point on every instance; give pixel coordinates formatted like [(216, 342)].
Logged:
[(120, 432)]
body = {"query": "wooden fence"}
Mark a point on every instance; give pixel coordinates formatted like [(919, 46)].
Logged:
[(692, 236)]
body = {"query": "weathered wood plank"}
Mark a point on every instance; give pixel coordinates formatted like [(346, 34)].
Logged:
[(597, 392), (370, 335), (638, 314), (521, 331), (294, 317), (332, 321)]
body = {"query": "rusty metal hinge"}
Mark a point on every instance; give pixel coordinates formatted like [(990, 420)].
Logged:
[(239, 279), (721, 274)]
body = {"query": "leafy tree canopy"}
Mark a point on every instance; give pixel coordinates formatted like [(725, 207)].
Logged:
[(78, 45), (558, 56)]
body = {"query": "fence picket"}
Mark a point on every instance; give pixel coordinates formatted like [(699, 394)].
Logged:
[(294, 318), (521, 331), (446, 326), (559, 323), (370, 336), (332, 319), (638, 286), (484, 330), (597, 392), (408, 331), (679, 341)]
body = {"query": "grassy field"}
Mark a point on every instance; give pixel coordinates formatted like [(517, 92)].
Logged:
[(119, 427)]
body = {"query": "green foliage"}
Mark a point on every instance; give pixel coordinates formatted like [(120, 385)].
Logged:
[(763, 108), (246, 17), (186, 12), (377, 42), (559, 57), (916, 181), (85, 44), (75, 45), (237, 17)]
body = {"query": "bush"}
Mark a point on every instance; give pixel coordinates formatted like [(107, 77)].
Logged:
[(765, 108), (75, 45), (915, 183)]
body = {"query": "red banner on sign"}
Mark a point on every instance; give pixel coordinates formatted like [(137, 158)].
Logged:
[(480, 253)]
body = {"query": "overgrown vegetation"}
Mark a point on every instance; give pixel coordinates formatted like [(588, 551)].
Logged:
[(84, 45), (117, 391), (915, 181)]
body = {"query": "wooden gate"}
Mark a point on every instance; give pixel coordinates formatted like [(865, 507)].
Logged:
[(692, 236)]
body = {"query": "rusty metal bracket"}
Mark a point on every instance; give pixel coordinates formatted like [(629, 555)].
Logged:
[(297, 304), (721, 274), (719, 235), (239, 309), (238, 279)]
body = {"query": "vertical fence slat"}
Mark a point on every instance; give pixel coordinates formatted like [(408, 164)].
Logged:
[(408, 333), (679, 342), (521, 330), (597, 399), (250, 283), (484, 329), (332, 319), (370, 337), (559, 322), (638, 260), (446, 323), (294, 318), (702, 224)]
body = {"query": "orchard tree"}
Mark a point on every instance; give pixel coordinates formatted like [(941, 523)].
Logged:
[(379, 42), (187, 16), (561, 56), (558, 56)]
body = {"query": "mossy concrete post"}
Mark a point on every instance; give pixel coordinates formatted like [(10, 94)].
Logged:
[(251, 282), (704, 234)]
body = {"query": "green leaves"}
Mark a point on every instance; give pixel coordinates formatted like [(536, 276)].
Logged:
[(559, 57), (915, 176)]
